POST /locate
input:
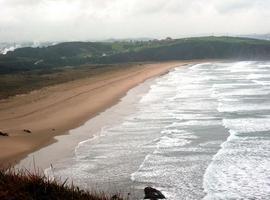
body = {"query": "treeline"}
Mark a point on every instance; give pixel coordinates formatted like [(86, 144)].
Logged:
[(199, 48), (80, 53)]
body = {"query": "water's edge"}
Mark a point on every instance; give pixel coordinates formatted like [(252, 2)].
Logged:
[(198, 132)]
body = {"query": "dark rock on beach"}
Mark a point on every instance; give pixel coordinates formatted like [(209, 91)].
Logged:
[(153, 194), (27, 131), (3, 134)]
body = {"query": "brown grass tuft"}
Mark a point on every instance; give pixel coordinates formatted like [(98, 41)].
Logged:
[(23, 185)]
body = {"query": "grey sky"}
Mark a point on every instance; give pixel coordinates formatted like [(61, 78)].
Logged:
[(46, 20)]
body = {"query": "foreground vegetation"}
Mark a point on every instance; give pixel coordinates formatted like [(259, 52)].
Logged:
[(24, 185), (27, 69)]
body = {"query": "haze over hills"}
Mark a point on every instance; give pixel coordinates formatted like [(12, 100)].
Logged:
[(6, 47), (11, 46), (258, 36)]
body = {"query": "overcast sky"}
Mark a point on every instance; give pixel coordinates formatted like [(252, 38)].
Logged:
[(54, 20)]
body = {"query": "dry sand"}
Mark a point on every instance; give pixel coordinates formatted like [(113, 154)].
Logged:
[(54, 110)]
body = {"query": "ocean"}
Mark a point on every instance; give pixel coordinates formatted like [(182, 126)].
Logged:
[(199, 132)]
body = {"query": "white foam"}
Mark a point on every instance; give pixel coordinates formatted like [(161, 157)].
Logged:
[(232, 107), (245, 66), (200, 66), (257, 76), (264, 65), (239, 92), (246, 125), (133, 175), (240, 170), (266, 83), (168, 141), (196, 123)]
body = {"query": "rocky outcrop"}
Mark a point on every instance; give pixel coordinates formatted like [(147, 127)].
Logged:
[(153, 194)]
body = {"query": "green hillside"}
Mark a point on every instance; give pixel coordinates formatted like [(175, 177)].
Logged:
[(79, 53), (197, 48)]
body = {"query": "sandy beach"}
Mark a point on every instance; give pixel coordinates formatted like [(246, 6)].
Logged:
[(55, 110)]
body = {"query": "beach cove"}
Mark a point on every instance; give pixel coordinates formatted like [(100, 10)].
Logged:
[(188, 133), (55, 110)]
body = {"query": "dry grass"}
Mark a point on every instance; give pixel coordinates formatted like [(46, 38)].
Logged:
[(23, 82), (24, 185)]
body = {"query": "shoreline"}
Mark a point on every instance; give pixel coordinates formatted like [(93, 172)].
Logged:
[(55, 110), (64, 148)]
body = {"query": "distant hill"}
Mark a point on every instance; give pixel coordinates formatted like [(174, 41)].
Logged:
[(196, 48), (258, 36), (144, 39), (79, 53)]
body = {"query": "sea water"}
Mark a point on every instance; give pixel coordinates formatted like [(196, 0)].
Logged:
[(201, 132)]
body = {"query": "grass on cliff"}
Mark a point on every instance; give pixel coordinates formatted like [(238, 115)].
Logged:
[(23, 185)]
